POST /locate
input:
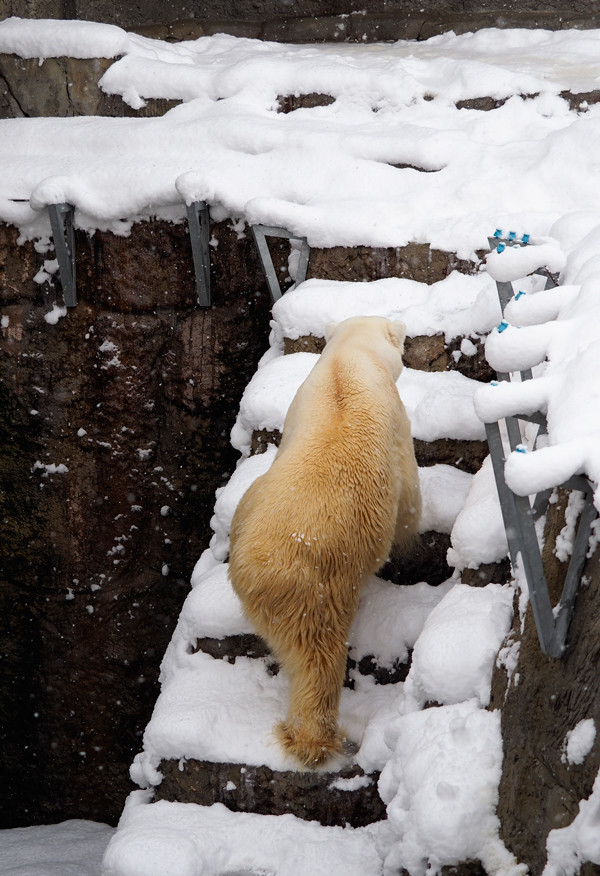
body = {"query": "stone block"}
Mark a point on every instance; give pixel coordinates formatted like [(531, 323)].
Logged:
[(308, 795)]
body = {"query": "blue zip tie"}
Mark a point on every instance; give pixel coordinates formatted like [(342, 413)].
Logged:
[(520, 294), (498, 232), (502, 327), (512, 235), (494, 383), (500, 247), (520, 448), (525, 238)]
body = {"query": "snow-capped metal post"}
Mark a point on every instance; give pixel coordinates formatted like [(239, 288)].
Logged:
[(199, 229), (520, 513), (260, 234), (63, 235)]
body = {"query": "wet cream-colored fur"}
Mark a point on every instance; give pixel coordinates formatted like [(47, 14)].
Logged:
[(343, 487)]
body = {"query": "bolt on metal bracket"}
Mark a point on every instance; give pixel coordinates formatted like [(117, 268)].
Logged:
[(260, 234), (199, 229), (519, 514), (63, 235)]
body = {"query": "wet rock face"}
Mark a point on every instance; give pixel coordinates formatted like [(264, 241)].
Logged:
[(545, 699), (114, 437)]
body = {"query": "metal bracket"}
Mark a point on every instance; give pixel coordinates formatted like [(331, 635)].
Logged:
[(260, 234), (505, 289), (519, 513), (63, 235), (199, 228), (519, 516)]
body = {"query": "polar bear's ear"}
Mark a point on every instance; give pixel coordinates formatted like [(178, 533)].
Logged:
[(329, 330), (397, 331)]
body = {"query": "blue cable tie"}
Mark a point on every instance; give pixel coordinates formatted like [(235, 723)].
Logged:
[(520, 448), (502, 327), (512, 235), (525, 238), (498, 232), (500, 247), (520, 294), (494, 383)]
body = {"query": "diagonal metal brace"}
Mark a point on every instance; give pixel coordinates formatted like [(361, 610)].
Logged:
[(260, 234), (199, 229), (63, 235), (519, 517)]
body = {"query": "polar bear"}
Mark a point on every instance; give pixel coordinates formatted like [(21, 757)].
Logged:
[(343, 487)]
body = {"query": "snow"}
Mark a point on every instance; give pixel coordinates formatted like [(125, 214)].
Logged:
[(465, 305), (561, 338), (190, 840), (440, 786), (514, 262), (443, 669), (579, 741), (329, 174), (478, 534), (570, 847), (73, 848), (227, 144)]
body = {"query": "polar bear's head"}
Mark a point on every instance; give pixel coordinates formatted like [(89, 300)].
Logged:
[(381, 336)]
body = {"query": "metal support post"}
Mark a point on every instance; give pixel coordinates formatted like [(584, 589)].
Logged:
[(260, 234), (199, 228), (63, 235)]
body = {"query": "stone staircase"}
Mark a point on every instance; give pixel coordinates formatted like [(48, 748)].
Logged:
[(213, 745)]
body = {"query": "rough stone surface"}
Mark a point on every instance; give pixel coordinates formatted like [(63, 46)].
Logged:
[(132, 396), (423, 353), (415, 261), (314, 20), (426, 561), (539, 790), (249, 645), (465, 455), (308, 795), (63, 87), (290, 102)]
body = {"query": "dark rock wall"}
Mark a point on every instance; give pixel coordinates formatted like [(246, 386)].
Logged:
[(310, 20), (134, 392)]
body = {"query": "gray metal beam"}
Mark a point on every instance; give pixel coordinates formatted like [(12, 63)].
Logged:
[(199, 229), (260, 234), (63, 235)]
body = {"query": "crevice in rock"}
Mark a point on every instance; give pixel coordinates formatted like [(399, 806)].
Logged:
[(12, 95)]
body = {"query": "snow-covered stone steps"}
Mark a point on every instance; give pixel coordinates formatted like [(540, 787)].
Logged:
[(216, 744), (210, 738)]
